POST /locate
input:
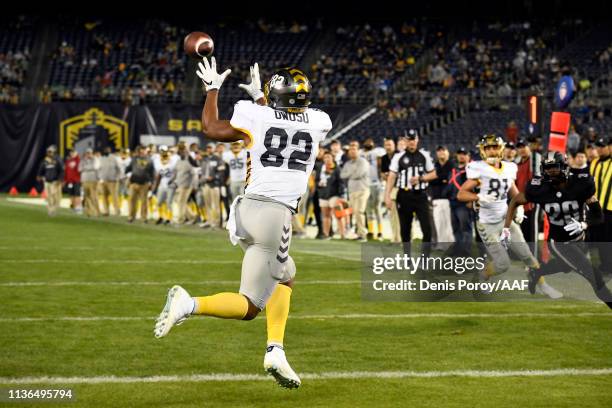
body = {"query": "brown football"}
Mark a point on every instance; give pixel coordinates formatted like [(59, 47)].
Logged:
[(198, 45)]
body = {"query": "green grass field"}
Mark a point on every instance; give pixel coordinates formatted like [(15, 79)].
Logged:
[(114, 277)]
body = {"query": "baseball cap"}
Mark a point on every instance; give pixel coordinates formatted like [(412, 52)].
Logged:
[(411, 134), (163, 148), (440, 147), (89, 150), (521, 142), (510, 145), (462, 150), (601, 142)]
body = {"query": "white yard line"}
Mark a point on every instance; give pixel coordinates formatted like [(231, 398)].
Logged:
[(329, 316), (329, 375)]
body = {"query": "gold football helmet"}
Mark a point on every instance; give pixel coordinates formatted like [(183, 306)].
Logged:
[(491, 140)]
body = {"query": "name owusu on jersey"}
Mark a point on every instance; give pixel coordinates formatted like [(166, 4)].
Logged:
[(295, 117)]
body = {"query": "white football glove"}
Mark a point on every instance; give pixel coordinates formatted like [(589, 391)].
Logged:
[(505, 236), (209, 76), (486, 198), (519, 215), (254, 88), (575, 227)]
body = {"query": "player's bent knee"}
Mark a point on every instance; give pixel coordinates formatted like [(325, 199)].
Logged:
[(252, 311)]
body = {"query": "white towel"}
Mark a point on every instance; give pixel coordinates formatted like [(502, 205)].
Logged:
[(231, 225)]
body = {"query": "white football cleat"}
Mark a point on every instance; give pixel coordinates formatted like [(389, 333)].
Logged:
[(177, 309), (544, 288), (275, 364)]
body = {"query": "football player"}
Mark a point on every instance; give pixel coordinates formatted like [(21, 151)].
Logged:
[(164, 165), (495, 178), (281, 134), (565, 197)]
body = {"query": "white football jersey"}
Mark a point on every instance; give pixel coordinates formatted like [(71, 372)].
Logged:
[(165, 170), (283, 149), (496, 182), (237, 165)]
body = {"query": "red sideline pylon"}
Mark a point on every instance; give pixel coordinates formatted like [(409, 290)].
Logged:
[(13, 191), (43, 194), (33, 192)]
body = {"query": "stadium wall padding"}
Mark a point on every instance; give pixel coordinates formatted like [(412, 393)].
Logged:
[(27, 130)]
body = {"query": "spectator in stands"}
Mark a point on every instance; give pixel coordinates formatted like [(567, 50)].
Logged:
[(141, 178), (110, 174), (512, 132), (51, 172), (357, 173), (72, 180), (329, 190), (440, 203), (336, 151), (510, 152), (88, 167), (462, 217)]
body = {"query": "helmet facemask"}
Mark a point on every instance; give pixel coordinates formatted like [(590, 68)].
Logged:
[(492, 157)]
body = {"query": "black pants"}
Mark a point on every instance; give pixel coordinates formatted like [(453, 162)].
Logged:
[(414, 202), (530, 229), (317, 212), (572, 256), (462, 222)]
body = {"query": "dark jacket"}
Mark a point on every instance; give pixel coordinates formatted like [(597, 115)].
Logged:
[(329, 185), (142, 169), (51, 169), (456, 178)]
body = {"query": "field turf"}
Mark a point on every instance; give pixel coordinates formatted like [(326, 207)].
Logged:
[(79, 299)]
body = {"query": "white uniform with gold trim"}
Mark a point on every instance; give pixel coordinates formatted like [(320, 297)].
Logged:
[(280, 159), (495, 182), (283, 149)]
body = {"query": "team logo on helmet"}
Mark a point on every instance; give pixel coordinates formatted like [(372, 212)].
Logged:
[(288, 89)]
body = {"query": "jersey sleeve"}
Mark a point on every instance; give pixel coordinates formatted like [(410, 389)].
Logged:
[(394, 165), (429, 165), (472, 171), (242, 119)]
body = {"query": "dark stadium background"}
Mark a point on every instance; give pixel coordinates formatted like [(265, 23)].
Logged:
[(29, 126)]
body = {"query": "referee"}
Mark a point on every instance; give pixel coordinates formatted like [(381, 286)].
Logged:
[(602, 174), (410, 172)]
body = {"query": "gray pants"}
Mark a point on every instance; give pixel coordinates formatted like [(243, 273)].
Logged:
[(236, 188), (265, 228), (489, 233)]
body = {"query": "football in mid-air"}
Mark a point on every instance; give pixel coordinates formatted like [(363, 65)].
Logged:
[(198, 44)]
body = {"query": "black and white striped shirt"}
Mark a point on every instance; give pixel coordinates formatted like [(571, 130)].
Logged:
[(408, 165)]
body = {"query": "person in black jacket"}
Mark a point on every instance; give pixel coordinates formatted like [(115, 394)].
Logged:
[(51, 172), (330, 188), (462, 217)]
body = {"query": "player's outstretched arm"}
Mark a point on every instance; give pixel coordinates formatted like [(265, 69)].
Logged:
[(219, 130), (518, 200)]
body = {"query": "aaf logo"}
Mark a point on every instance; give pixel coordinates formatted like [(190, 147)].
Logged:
[(93, 129)]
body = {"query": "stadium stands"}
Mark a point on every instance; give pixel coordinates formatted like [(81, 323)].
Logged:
[(16, 37)]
